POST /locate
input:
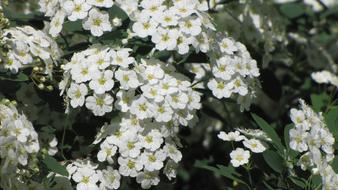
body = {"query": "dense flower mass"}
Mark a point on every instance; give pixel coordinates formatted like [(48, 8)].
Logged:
[(314, 141), (149, 89), (27, 47), (18, 141), (132, 94), (234, 72), (141, 148)]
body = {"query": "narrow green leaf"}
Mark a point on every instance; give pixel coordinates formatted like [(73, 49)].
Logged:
[(228, 172), (54, 166), (334, 164), (21, 77), (269, 131), (298, 181), (274, 160)]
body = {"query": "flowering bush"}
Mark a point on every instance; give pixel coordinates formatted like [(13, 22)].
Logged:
[(153, 94)]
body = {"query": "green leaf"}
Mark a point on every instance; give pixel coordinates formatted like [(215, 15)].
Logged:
[(298, 181), (331, 119), (334, 163), (274, 160), (276, 141), (21, 77), (116, 11), (228, 172), (318, 101), (54, 166), (73, 26), (292, 10)]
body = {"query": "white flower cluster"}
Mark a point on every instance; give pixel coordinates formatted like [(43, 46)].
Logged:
[(234, 71), (150, 89), (240, 156), (325, 77), (89, 11), (172, 25), (313, 139), (27, 45), (18, 143), (141, 147), (87, 176)]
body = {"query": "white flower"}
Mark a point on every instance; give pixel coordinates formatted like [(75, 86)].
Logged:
[(183, 43), (231, 136), (165, 39), (254, 145), (238, 86), (101, 59), (130, 145), (141, 108), (298, 118), (86, 179), (76, 9), (153, 73), (103, 82), (107, 151), (97, 22), (145, 26), (77, 94), (191, 26), (163, 112), (325, 77), (101, 3), (100, 104), (178, 100), (128, 79), (167, 18), (56, 23), (129, 166), (298, 140), (153, 161), (84, 72), (148, 179), (228, 46), (239, 157), (124, 99), (152, 141), (152, 7), (121, 58), (219, 88), (224, 69), (110, 178), (172, 152), (152, 92), (170, 169)]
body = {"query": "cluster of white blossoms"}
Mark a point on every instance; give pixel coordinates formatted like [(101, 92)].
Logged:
[(171, 25), (92, 13), (86, 175), (235, 73), (142, 148), (325, 77), (18, 142), (312, 138), (27, 47), (150, 89), (252, 141)]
